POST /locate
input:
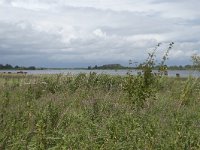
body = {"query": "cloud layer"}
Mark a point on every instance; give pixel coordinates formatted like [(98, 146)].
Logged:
[(69, 33)]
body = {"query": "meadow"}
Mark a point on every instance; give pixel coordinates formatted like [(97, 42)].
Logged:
[(98, 111)]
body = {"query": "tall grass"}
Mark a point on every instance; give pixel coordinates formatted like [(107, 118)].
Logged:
[(91, 111)]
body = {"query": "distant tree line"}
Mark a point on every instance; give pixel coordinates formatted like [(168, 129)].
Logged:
[(10, 67), (108, 66), (174, 67), (118, 66), (180, 67)]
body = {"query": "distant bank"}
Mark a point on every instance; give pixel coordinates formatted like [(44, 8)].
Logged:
[(171, 73), (96, 67)]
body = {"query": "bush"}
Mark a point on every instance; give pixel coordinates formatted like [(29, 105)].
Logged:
[(142, 87)]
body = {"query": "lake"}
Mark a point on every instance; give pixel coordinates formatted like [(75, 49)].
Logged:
[(172, 73)]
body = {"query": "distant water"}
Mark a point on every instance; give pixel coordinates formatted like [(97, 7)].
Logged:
[(172, 73)]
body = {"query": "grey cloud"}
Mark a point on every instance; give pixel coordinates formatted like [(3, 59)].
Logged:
[(75, 33), (23, 39)]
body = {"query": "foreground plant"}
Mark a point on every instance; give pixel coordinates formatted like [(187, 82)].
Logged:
[(142, 87)]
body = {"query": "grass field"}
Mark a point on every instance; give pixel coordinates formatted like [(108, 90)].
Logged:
[(98, 112)]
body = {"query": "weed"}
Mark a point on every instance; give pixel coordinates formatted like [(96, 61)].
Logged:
[(142, 87)]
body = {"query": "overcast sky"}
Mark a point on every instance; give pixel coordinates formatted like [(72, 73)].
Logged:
[(78, 33)]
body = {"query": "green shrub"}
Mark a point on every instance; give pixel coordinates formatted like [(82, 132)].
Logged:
[(142, 87)]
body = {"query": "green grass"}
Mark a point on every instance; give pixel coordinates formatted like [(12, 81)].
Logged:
[(95, 112)]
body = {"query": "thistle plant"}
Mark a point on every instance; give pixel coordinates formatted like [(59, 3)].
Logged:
[(144, 86)]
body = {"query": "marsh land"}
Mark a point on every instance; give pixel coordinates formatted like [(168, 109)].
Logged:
[(99, 111)]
